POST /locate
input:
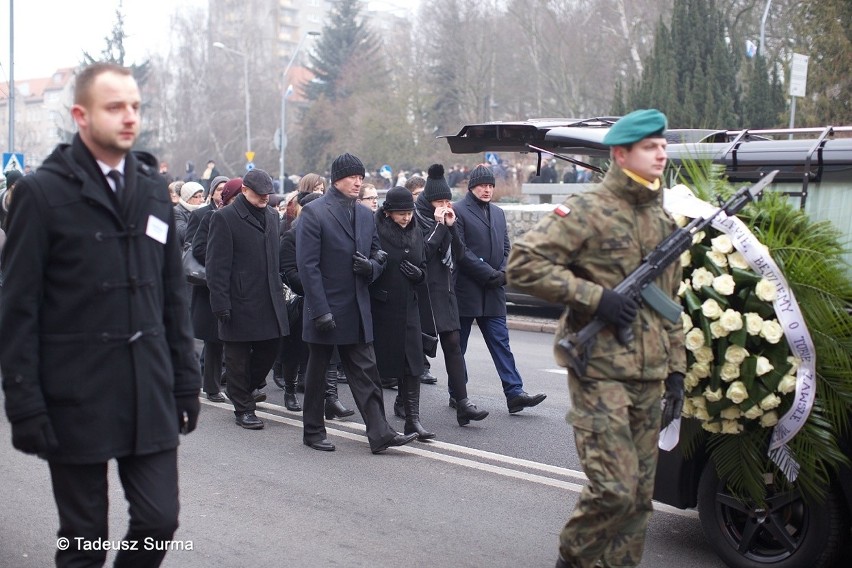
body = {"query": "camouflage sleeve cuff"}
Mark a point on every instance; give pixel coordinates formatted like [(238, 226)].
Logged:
[(588, 296)]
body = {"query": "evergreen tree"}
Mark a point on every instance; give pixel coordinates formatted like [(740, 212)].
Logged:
[(760, 103)]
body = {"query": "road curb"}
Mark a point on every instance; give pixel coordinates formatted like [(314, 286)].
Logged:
[(531, 325)]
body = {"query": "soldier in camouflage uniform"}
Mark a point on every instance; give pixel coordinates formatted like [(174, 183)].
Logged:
[(575, 256)]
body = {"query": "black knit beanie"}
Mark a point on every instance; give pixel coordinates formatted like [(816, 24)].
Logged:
[(346, 165), (480, 175), (398, 199), (436, 186)]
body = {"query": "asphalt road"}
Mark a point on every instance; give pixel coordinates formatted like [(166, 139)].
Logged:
[(495, 493)]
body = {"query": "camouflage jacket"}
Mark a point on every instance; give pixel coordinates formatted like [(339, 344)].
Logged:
[(594, 240)]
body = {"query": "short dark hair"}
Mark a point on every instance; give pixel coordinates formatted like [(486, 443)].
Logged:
[(83, 84), (414, 182)]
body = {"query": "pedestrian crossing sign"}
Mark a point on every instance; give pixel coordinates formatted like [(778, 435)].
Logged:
[(12, 161)]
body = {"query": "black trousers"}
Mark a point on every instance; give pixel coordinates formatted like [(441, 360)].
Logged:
[(359, 364), (246, 365), (150, 487), (213, 351), (454, 362)]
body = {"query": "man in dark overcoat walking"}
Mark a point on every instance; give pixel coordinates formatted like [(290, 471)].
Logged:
[(338, 255), (96, 352), (481, 282), (246, 294)]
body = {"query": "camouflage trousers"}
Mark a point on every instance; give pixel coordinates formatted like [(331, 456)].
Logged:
[(616, 429)]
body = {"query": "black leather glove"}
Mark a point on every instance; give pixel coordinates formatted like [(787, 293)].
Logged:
[(325, 322), (496, 280), (361, 265), (34, 435), (672, 398), (188, 407), (380, 256), (223, 316), (617, 309), (413, 273)]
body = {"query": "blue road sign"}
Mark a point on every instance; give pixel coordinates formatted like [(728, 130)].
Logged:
[(13, 161)]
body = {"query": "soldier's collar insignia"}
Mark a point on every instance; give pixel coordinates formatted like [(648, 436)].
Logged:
[(562, 210)]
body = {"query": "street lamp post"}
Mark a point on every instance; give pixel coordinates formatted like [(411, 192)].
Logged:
[(224, 47), (284, 93)]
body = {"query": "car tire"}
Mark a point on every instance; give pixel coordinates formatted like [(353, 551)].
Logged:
[(789, 533)]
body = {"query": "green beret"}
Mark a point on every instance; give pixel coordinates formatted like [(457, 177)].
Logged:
[(636, 126)]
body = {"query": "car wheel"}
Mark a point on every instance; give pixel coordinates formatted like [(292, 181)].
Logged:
[(787, 533)]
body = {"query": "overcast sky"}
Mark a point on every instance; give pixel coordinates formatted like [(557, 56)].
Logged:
[(50, 34)]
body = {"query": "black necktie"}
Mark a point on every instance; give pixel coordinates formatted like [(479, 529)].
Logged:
[(115, 176)]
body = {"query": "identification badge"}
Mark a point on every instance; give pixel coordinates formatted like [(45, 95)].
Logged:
[(562, 210), (157, 229)]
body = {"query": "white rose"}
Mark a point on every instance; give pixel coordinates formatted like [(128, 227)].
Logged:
[(683, 287), (702, 414), (698, 237), (724, 284), (711, 309), (753, 412), (731, 427), (681, 220), (735, 354), (769, 419), (717, 330), (699, 402), (701, 277), (729, 372), (737, 392), (763, 366), (688, 408), (718, 258), (754, 323), (722, 244), (737, 260), (731, 413), (731, 320), (700, 370), (690, 381), (703, 355), (765, 290), (712, 427), (694, 339), (771, 331), (770, 401), (795, 361), (686, 259), (787, 384), (713, 395), (686, 321)]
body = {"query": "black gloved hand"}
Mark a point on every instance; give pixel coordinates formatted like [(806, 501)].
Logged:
[(188, 407), (413, 273), (380, 256), (361, 265), (496, 280), (617, 309), (34, 435), (325, 322), (223, 316), (672, 398)]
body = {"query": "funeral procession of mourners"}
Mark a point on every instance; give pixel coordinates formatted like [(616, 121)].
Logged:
[(511, 358)]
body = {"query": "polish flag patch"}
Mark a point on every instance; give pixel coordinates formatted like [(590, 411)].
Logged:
[(562, 210)]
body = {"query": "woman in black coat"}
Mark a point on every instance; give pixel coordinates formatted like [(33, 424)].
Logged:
[(435, 217), (393, 299)]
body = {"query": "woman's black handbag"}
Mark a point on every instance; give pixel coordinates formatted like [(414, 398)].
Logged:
[(430, 344), (195, 272), (294, 304)]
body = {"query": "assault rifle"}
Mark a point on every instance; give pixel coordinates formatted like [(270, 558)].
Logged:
[(639, 284)]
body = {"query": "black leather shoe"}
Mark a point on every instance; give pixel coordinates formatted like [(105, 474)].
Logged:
[(523, 400), (249, 421), (217, 397), (337, 410), (259, 395), (398, 440), (322, 445), (390, 383), (427, 378), (452, 402)]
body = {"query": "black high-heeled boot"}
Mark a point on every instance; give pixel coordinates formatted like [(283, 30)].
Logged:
[(291, 401), (333, 407), (411, 401), (398, 406), (467, 411)]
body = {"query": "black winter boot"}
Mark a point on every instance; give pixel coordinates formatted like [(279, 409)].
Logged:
[(398, 406), (333, 407), (467, 411), (277, 374), (291, 401), (411, 400)]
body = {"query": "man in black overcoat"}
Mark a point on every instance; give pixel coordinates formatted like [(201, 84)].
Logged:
[(96, 349), (246, 294), (338, 255)]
